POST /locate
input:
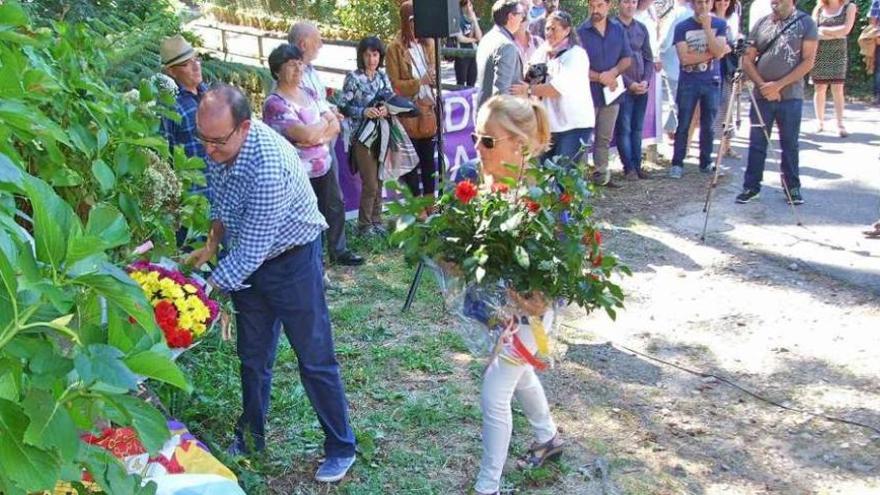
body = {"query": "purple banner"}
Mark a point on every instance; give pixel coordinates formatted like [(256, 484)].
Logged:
[(460, 111)]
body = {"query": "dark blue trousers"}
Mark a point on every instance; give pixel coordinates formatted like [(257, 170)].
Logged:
[(708, 96), (571, 145), (628, 131), (877, 74), (786, 114), (289, 291)]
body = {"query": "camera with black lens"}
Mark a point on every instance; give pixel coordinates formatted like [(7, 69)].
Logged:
[(537, 74), (740, 46)]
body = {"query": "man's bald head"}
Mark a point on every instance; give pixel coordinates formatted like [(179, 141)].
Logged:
[(305, 36), (223, 121)]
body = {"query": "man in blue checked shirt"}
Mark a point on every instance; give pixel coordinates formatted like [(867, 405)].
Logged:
[(264, 210), (181, 62)]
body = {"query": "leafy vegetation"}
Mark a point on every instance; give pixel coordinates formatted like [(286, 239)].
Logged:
[(76, 333)]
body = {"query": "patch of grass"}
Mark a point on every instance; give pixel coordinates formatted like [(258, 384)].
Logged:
[(414, 399)]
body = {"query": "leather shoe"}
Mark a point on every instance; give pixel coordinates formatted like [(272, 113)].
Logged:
[(347, 258)]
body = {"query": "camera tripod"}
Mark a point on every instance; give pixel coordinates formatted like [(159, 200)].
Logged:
[(728, 129)]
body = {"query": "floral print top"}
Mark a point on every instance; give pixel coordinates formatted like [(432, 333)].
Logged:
[(358, 91), (280, 113)]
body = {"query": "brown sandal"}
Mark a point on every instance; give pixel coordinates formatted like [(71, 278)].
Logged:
[(539, 453)]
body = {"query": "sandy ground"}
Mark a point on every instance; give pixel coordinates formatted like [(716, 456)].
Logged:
[(751, 305)]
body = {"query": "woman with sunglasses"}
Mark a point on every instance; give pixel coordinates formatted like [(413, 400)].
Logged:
[(359, 91), (510, 131), (411, 71), (569, 108)]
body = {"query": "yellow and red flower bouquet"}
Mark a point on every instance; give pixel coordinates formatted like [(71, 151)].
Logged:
[(183, 310)]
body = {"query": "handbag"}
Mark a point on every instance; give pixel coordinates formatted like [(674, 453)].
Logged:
[(425, 124)]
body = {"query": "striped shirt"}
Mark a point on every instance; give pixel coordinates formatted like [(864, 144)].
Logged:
[(265, 202)]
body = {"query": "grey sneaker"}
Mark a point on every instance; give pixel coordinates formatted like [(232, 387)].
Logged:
[(334, 469), (676, 171)]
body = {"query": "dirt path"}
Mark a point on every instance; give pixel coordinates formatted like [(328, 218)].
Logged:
[(758, 317)]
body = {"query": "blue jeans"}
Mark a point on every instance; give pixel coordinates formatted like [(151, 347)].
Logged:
[(289, 290), (571, 144), (877, 73), (628, 131), (787, 116), (708, 96)]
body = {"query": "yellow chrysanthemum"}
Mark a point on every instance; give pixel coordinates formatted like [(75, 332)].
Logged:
[(186, 321), (199, 328), (190, 289)]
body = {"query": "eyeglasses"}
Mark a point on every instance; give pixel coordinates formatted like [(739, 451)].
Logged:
[(216, 141), (488, 142), (194, 60)]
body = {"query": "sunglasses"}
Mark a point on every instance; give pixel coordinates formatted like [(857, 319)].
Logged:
[(216, 141), (488, 142)]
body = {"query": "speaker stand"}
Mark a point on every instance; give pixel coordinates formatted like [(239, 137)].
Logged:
[(441, 165)]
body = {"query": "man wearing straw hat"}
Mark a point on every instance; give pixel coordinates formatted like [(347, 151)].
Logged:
[(181, 63)]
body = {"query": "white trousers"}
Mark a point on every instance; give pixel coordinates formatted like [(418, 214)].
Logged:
[(501, 382)]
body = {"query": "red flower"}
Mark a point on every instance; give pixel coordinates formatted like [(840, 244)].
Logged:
[(532, 206), (178, 338), (166, 315), (465, 191), (597, 260), (500, 187), (565, 198), (594, 237)]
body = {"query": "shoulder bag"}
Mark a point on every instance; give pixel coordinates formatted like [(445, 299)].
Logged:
[(425, 124)]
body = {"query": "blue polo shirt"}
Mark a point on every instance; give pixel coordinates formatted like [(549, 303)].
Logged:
[(690, 31), (604, 51)]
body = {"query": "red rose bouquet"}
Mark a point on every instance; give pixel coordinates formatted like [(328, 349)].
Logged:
[(535, 234)]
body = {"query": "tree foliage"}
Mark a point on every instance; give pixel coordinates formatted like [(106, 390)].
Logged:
[(75, 331)]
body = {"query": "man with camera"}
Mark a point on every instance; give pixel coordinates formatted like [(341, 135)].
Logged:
[(782, 51), (700, 42)]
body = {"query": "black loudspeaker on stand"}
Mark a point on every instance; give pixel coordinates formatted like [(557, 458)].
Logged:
[(434, 19)]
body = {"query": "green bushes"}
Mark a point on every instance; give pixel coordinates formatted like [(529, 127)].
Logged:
[(369, 17), (319, 10), (75, 330), (256, 82)]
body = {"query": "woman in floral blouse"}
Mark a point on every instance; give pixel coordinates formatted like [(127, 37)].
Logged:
[(293, 111), (360, 88)]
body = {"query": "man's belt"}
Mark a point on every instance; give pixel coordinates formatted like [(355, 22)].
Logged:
[(701, 67), (288, 251)]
